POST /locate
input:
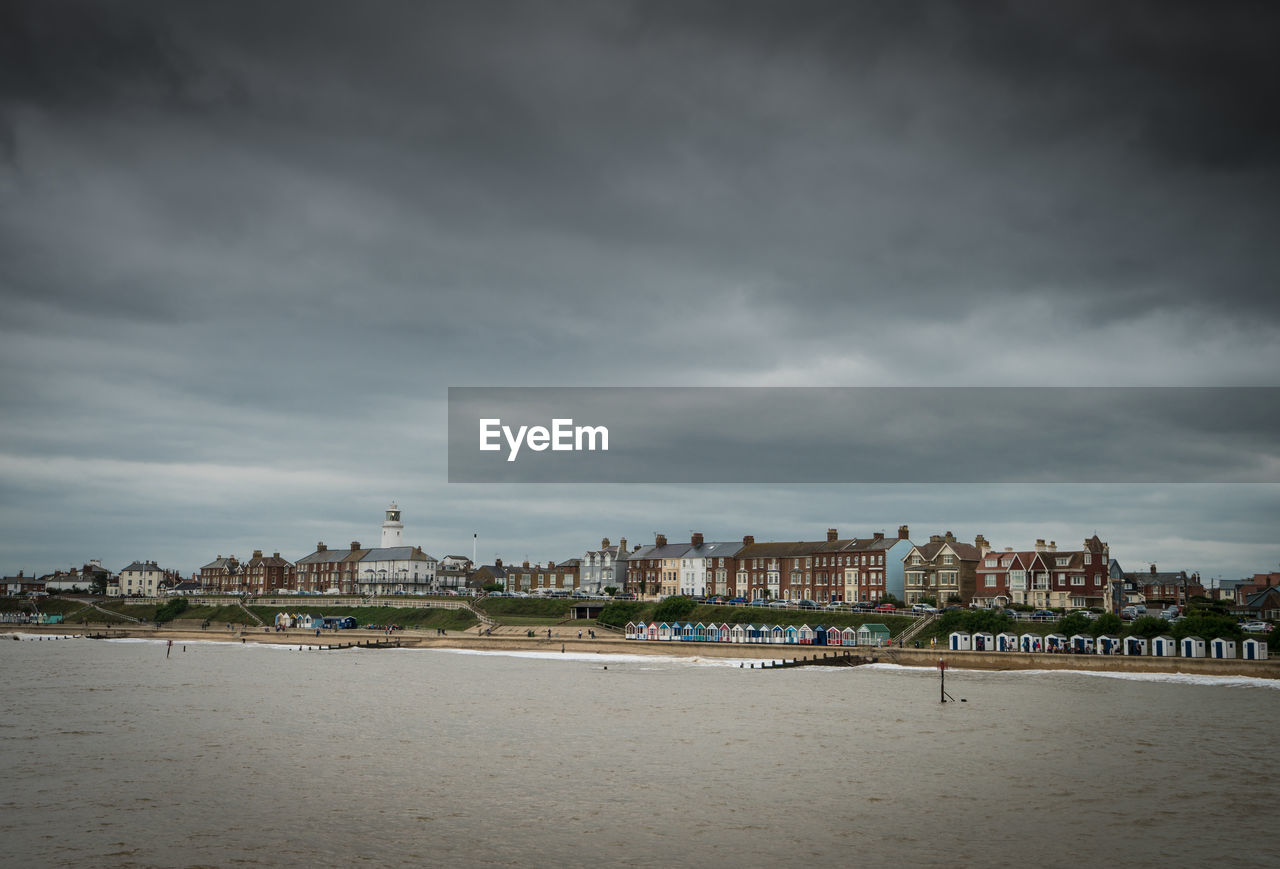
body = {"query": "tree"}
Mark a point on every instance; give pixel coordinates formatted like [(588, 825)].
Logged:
[(170, 610), (1074, 623), (611, 590), (1107, 623), (930, 600), (1208, 626), (673, 609), (1148, 626), (492, 587)]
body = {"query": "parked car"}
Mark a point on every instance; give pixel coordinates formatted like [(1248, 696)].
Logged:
[(1044, 616), (780, 604), (886, 608), (955, 607), (1255, 627), (836, 605), (923, 608), (764, 601), (737, 601), (808, 605)]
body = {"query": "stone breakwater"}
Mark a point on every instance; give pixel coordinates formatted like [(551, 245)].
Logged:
[(613, 644)]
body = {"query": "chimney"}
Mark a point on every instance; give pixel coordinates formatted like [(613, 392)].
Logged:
[(1040, 547), (832, 535), (497, 562), (526, 564), (696, 539), (604, 544), (950, 538), (622, 545), (1153, 567), (275, 555), (935, 538), (1053, 546), (660, 540), (257, 553), (879, 535), (903, 533), (748, 540), (320, 547), (355, 544), (551, 565)]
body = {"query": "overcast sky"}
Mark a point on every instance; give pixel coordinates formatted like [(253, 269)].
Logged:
[(245, 248)]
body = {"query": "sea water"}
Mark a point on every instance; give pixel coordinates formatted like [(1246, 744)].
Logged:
[(131, 754)]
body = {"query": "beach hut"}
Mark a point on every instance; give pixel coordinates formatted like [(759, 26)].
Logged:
[(1055, 642), (1108, 645), (632, 633), (819, 635), (1006, 642), (873, 635), (849, 637), (1135, 646), (700, 632), (1192, 647), (959, 641), (738, 634), (757, 633), (664, 631), (1031, 643), (1082, 643), (793, 635), (284, 620), (983, 642), (834, 637), (653, 630), (1222, 648), (1164, 647), (806, 635), (1255, 650), (777, 634)]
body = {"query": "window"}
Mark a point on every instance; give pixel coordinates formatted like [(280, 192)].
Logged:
[(991, 562), (991, 581), (1077, 580)]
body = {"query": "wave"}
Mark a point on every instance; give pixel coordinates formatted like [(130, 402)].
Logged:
[(1170, 678)]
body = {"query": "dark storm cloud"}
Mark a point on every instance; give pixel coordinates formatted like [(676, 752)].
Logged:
[(255, 242)]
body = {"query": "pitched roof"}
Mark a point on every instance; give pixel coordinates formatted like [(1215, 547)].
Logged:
[(396, 553)]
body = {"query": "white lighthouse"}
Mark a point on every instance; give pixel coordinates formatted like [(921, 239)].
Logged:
[(392, 528)]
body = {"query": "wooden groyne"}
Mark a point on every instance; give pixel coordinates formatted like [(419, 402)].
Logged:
[(826, 659)]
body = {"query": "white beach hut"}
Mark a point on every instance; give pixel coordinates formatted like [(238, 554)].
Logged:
[(1030, 643), (1006, 642), (664, 631), (738, 633), (1192, 647), (633, 633), (722, 633), (1055, 642), (284, 620), (1222, 648), (1164, 647), (983, 642), (1255, 650), (960, 641), (1082, 643), (777, 634), (1108, 645), (849, 636), (1135, 646)]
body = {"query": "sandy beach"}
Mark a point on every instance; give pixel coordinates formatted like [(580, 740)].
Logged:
[(510, 639)]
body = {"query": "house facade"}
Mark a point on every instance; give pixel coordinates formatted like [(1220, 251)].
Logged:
[(141, 579), (604, 567), (943, 569)]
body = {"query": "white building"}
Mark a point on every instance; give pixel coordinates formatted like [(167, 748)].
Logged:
[(141, 578), (604, 567), (704, 568), (395, 568)]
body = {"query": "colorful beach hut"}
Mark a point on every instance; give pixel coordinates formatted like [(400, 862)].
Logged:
[(806, 635), (1192, 647), (653, 630), (723, 633), (1255, 650), (849, 637), (1082, 643), (1108, 645), (757, 633), (983, 641), (1164, 647), (834, 637), (284, 620), (700, 633), (777, 634), (664, 631), (873, 634), (635, 632), (1006, 642), (792, 635), (1135, 646), (1222, 648)]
